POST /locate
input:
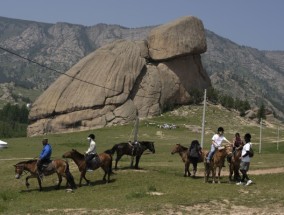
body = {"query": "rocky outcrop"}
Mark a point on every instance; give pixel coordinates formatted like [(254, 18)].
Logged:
[(122, 79), (180, 37)]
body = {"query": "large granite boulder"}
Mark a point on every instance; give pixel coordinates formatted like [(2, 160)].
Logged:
[(181, 37), (123, 79)]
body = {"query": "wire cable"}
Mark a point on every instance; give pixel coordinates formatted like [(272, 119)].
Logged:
[(62, 73)]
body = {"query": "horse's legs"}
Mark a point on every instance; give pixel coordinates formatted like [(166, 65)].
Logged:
[(219, 174), (59, 180), (186, 169), (39, 183), (231, 168), (206, 171), (83, 175), (27, 182), (116, 160), (214, 175), (137, 161), (132, 161)]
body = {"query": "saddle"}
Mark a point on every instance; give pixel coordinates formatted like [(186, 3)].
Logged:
[(96, 161), (47, 166)]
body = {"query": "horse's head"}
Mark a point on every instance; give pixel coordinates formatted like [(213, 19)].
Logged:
[(149, 145), (67, 154), (228, 149), (152, 147), (176, 148), (72, 154), (19, 169)]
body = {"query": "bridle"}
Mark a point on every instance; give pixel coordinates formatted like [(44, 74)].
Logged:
[(22, 169)]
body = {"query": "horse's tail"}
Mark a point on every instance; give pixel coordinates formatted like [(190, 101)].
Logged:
[(110, 166), (69, 177), (112, 150), (109, 151)]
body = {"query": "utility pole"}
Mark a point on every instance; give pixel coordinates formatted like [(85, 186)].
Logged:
[(136, 129), (203, 119), (260, 134), (278, 138)]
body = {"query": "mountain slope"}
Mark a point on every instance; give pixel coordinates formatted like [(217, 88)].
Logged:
[(239, 71)]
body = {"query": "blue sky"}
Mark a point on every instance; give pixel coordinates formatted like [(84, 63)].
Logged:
[(254, 23)]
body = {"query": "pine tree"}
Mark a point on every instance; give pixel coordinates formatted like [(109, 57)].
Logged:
[(261, 113)]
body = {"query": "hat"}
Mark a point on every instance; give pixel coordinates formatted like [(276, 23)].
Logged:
[(92, 136)]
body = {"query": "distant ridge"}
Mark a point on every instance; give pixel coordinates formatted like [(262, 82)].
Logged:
[(239, 71)]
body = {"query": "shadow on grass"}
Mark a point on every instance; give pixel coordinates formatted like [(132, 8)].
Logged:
[(44, 189), (130, 168), (99, 182)]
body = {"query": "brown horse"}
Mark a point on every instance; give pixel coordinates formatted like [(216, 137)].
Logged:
[(134, 151), (216, 162), (183, 152), (234, 165), (58, 166), (105, 162)]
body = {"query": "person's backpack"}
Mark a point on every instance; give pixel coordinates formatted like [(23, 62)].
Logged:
[(251, 153)]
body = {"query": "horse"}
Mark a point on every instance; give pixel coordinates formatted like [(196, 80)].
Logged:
[(127, 148), (104, 161), (216, 162), (234, 165), (58, 166), (183, 152)]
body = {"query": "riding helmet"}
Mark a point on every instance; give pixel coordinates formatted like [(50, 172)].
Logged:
[(92, 136), (220, 129)]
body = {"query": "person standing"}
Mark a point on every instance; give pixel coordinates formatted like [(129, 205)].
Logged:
[(238, 142), (194, 154), (217, 140), (44, 156), (245, 160), (91, 152)]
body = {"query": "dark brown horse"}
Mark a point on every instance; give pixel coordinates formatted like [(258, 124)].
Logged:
[(132, 150), (58, 166), (234, 165), (183, 152), (216, 162), (104, 161)]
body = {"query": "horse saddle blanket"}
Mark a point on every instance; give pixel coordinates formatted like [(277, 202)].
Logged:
[(96, 161), (48, 166)]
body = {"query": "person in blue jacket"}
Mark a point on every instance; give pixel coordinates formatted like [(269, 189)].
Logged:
[(44, 156)]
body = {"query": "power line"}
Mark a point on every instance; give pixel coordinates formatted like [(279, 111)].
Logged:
[(62, 73)]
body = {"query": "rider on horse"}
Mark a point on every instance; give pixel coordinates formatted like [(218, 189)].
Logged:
[(44, 156), (91, 152), (217, 140), (134, 147)]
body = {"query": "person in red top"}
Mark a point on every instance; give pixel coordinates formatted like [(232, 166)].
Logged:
[(237, 142)]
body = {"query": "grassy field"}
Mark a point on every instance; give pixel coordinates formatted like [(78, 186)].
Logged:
[(159, 186)]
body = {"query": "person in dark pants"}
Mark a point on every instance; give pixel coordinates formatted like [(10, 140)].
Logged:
[(194, 154), (44, 156), (91, 152), (245, 161)]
